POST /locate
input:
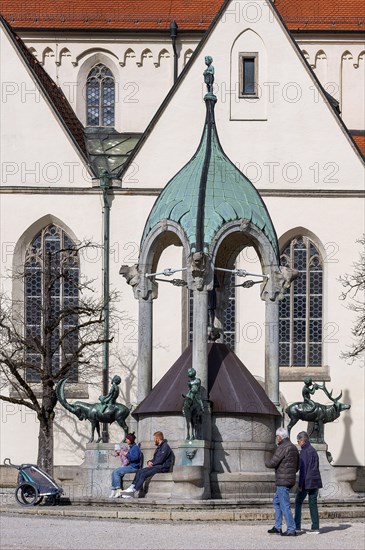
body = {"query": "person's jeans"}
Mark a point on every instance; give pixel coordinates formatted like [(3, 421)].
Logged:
[(313, 508), (281, 502), (118, 474)]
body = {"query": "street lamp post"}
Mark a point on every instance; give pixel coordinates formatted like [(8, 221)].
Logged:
[(105, 186)]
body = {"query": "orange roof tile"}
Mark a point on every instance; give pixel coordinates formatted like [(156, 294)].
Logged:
[(124, 14), (335, 15), (359, 139), (299, 15)]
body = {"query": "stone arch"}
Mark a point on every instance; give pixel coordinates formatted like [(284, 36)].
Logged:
[(47, 53), (306, 55), (84, 70), (33, 51), (320, 66), (98, 51), (146, 56), (24, 241), (244, 107), (64, 53), (164, 234), (232, 239), (360, 59), (129, 55), (187, 55), (164, 54), (351, 88), (296, 231)]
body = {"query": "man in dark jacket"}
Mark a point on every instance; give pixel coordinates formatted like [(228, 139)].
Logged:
[(285, 460), (161, 462), (309, 482)]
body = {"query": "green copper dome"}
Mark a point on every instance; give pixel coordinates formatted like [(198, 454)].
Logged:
[(208, 192)]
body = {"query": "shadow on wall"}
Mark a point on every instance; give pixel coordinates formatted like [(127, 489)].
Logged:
[(347, 455)]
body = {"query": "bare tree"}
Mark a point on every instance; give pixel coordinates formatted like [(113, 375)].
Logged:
[(354, 287), (45, 339)]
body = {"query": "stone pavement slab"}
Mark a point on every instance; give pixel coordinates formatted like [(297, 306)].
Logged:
[(26, 531)]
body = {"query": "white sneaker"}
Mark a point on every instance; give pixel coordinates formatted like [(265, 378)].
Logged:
[(113, 493), (313, 531), (118, 493), (130, 489), (127, 496)]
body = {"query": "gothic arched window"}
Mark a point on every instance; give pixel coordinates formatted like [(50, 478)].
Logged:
[(300, 312), (51, 299), (100, 97)]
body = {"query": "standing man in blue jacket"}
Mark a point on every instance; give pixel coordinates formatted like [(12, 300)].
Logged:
[(161, 462), (309, 482)]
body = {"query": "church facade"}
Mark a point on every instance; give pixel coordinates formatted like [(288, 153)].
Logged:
[(121, 90)]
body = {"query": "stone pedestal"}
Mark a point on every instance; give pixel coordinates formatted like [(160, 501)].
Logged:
[(191, 473), (93, 478), (336, 480)]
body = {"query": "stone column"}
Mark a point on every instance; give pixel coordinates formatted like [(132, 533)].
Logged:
[(200, 328), (145, 331), (272, 350)]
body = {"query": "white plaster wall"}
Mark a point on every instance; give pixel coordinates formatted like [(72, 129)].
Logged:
[(343, 74), (303, 133), (300, 145), (38, 152), (336, 60), (142, 66)]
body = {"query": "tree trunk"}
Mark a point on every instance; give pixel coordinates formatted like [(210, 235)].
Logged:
[(45, 442), (49, 399)]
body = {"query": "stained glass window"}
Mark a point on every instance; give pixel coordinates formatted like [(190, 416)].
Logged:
[(100, 96), (51, 287), (300, 312)]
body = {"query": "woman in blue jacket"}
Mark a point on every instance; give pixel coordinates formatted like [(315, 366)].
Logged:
[(134, 458)]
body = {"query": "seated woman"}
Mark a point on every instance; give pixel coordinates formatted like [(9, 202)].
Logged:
[(131, 462)]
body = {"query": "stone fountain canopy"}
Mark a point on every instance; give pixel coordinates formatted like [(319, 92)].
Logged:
[(231, 387)]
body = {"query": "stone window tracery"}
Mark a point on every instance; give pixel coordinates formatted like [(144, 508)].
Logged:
[(51, 262), (100, 96), (300, 312)]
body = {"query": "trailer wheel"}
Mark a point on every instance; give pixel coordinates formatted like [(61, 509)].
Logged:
[(27, 494)]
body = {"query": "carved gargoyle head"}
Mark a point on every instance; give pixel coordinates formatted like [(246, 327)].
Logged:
[(190, 453)]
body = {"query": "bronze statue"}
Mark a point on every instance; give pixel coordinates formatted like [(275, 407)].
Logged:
[(209, 73), (315, 413), (193, 407), (111, 397), (309, 389), (104, 412)]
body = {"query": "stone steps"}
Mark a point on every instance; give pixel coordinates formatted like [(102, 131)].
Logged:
[(253, 510)]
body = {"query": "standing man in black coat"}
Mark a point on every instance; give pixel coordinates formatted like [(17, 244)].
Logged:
[(309, 482), (285, 460)]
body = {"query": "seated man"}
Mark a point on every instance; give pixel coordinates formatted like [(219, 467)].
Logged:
[(161, 462)]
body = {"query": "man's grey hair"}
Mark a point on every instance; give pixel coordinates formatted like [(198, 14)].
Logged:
[(282, 432), (303, 435)]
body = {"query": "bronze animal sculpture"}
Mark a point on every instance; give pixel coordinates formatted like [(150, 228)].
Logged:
[(318, 414), (96, 413), (193, 407), (193, 416)]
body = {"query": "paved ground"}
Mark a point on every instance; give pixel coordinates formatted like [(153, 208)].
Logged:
[(54, 533)]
